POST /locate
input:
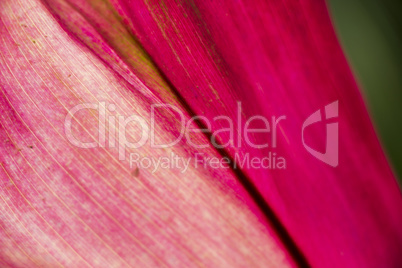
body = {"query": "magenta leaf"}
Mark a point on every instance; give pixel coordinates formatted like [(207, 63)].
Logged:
[(84, 82)]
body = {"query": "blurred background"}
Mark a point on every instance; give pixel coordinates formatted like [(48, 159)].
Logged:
[(371, 35)]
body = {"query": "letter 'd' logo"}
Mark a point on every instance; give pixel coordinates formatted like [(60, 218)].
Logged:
[(330, 156)]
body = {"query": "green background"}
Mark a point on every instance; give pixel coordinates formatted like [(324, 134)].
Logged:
[(371, 33)]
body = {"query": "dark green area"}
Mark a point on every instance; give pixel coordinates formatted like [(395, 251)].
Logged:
[(371, 34)]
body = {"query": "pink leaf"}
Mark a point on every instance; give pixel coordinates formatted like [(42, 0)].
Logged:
[(65, 205)]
